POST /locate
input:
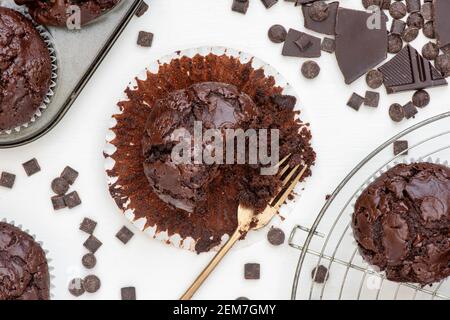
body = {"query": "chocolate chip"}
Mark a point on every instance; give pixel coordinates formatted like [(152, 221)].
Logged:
[(240, 6), (410, 34), (355, 101), (421, 99), (92, 244), (128, 293), (372, 99), (320, 274), (374, 79), (72, 200), (89, 261), (284, 101), (69, 174), (76, 287), (276, 236), (430, 51), (145, 39), (398, 26), (415, 20), (396, 112), (303, 42), (252, 271), (7, 180), (410, 110), (31, 167), (88, 225), (310, 69), (442, 63), (413, 5), (319, 11), (328, 45), (242, 298), (400, 146), (60, 186), (397, 10), (427, 11), (91, 284), (58, 202), (124, 235), (143, 7), (395, 43), (277, 33), (269, 3), (428, 30)]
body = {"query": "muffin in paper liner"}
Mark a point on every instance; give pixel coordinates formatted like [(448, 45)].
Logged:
[(48, 39), (369, 182), (172, 72), (46, 252)]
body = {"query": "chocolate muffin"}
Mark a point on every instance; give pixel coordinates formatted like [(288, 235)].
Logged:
[(402, 223), (57, 12), (25, 69), (24, 271)]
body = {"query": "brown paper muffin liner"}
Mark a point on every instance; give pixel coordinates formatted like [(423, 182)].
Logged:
[(47, 255), (127, 182), (48, 39)]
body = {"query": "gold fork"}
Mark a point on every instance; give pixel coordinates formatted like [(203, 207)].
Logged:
[(247, 221)]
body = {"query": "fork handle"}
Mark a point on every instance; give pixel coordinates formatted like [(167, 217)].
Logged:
[(212, 265)]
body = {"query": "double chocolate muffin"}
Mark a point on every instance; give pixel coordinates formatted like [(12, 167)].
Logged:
[(57, 12), (402, 223), (24, 271), (25, 69)]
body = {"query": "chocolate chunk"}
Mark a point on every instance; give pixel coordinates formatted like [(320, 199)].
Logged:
[(396, 112), (304, 42), (70, 175), (421, 99), (320, 274), (72, 200), (284, 101), (318, 11), (128, 293), (7, 180), (372, 99), (446, 49), (400, 147), (252, 271), (60, 186), (145, 39), (240, 6), (413, 5), (410, 34), (291, 49), (143, 7), (395, 43), (88, 225), (277, 33), (124, 235), (442, 63), (355, 101), (328, 45), (427, 10), (269, 3), (398, 26), (428, 30), (91, 284), (408, 70), (442, 21), (410, 110), (358, 48), (276, 236), (58, 202), (310, 69), (415, 20), (326, 26), (92, 244), (31, 167), (374, 79), (430, 51), (89, 261), (76, 287), (397, 10)]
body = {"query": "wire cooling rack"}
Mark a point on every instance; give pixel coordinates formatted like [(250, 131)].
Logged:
[(330, 242)]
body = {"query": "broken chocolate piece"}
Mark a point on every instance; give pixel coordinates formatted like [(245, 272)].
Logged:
[(58, 202), (355, 101), (304, 42), (328, 45), (252, 271), (31, 167), (398, 26), (427, 10), (401, 147), (410, 110), (358, 48), (128, 293), (442, 21), (145, 39), (88, 225), (70, 175), (372, 99), (291, 49), (269, 3), (124, 235), (413, 5), (7, 180), (408, 70), (92, 244), (72, 200), (240, 6), (328, 25), (143, 7)]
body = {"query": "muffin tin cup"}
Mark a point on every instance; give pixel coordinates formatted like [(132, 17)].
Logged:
[(109, 149), (49, 41), (47, 255)]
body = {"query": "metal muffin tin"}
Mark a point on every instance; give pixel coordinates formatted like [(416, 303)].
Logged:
[(79, 53)]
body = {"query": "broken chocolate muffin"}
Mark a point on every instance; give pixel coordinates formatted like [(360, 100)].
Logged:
[(24, 271), (402, 223), (58, 12)]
